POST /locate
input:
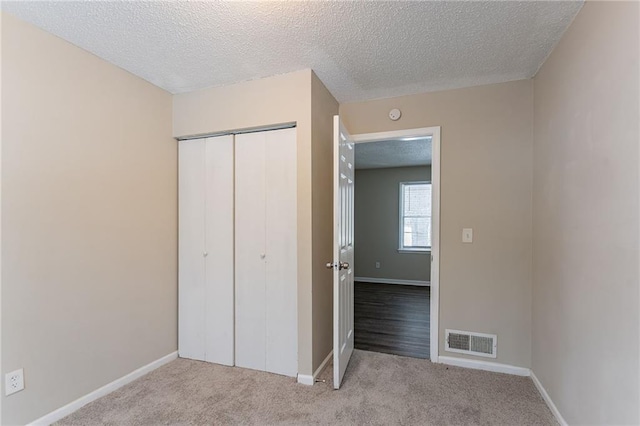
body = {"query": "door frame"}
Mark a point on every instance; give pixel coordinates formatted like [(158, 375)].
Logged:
[(434, 132)]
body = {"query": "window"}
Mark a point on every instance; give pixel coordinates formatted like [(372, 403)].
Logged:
[(415, 216)]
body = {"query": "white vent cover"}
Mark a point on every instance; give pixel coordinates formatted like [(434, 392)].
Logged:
[(468, 342)]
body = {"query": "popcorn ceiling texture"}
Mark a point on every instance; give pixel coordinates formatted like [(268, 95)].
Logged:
[(360, 50), (393, 153)]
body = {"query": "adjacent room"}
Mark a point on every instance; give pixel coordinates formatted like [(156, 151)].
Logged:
[(313, 212), (392, 242)]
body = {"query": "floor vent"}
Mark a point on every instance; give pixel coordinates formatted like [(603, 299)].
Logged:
[(468, 342)]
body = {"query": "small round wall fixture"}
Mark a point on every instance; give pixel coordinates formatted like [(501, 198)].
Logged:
[(395, 114)]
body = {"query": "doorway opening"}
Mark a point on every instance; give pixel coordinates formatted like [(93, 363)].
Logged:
[(396, 242)]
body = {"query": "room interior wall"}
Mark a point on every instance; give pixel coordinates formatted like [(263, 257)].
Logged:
[(89, 220), (585, 233), (377, 216), (486, 183), (280, 99), (323, 108)]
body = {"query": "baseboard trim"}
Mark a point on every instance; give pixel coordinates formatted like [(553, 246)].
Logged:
[(393, 281), (496, 367), (322, 366), (64, 411), (306, 379), (547, 399)]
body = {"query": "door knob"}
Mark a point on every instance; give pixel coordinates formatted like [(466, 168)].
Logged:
[(262, 255), (338, 265)]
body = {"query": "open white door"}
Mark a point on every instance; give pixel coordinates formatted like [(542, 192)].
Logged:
[(342, 264)]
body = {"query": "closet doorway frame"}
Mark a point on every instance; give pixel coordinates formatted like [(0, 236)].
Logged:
[(434, 133)]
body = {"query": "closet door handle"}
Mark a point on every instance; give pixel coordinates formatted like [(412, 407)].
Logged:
[(262, 255), (205, 254)]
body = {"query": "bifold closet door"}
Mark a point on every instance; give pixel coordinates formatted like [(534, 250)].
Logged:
[(266, 251), (206, 273)]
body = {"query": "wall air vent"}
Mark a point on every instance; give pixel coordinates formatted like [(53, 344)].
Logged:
[(468, 342)]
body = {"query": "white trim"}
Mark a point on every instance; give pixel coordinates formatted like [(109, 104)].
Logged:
[(64, 411), (548, 401), (323, 365), (434, 132), (435, 244), (401, 217), (392, 281), (306, 379), (496, 367), (395, 134)]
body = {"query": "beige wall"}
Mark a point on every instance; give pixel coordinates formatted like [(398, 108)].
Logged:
[(377, 224), (486, 180), (585, 276), (89, 211), (323, 108), (280, 99)]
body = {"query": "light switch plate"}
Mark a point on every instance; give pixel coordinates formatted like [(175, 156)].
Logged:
[(467, 235)]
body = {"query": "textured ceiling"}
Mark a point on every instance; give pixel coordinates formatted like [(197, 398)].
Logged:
[(360, 50), (393, 153)]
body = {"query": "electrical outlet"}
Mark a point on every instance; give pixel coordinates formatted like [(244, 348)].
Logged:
[(377, 265), (14, 382)]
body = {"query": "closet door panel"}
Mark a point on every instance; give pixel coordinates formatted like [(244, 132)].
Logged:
[(219, 241), (191, 268), (250, 250), (281, 253)]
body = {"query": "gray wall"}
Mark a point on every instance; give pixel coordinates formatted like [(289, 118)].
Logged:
[(585, 233), (377, 193)]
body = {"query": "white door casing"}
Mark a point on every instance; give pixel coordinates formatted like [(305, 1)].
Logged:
[(434, 133), (343, 256)]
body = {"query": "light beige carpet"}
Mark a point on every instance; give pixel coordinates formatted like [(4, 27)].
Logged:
[(378, 389)]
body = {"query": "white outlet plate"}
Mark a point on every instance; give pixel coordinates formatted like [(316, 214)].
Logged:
[(377, 265), (14, 382)]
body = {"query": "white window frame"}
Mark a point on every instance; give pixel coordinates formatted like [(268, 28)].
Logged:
[(401, 247)]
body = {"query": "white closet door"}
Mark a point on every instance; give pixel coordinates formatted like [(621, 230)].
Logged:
[(250, 251), (281, 253), (191, 242), (218, 297)]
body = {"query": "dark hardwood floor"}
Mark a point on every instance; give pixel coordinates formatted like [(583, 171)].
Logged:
[(392, 318)]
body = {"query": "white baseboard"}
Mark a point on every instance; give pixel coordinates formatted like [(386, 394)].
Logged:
[(306, 379), (322, 366), (393, 281), (496, 367), (62, 412), (548, 401)]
